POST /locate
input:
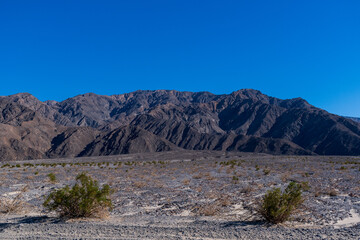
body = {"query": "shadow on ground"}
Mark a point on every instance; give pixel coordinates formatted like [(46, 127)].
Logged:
[(29, 220), (244, 223)]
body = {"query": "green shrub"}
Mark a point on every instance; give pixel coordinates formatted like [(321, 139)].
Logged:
[(84, 199), (305, 186), (235, 179), (52, 177), (5, 165), (277, 206)]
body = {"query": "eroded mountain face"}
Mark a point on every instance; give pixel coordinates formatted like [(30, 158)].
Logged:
[(162, 120)]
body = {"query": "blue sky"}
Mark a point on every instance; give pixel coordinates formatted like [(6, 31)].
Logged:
[(286, 49)]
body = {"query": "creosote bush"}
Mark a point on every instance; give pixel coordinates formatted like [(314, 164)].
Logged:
[(84, 199), (52, 177), (277, 206)]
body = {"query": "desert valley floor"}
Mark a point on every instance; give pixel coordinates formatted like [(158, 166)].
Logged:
[(187, 195)]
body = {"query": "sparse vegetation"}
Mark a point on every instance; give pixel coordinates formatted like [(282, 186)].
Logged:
[(84, 199), (332, 193), (210, 209), (235, 179), (305, 186), (247, 189), (139, 184), (52, 177), (15, 204), (277, 206), (306, 174), (186, 181), (158, 186)]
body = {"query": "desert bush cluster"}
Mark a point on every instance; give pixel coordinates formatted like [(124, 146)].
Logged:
[(87, 199), (278, 206), (84, 199)]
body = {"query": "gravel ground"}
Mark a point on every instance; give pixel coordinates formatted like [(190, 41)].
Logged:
[(40, 228), (187, 195)]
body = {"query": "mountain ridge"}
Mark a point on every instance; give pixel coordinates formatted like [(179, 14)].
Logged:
[(163, 120)]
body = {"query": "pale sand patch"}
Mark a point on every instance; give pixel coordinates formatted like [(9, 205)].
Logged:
[(185, 213), (152, 207), (237, 209), (129, 214), (349, 221), (11, 193), (170, 209)]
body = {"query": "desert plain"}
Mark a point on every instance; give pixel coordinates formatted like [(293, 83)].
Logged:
[(186, 195)]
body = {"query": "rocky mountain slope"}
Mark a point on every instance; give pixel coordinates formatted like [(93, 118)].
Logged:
[(354, 119), (163, 120)]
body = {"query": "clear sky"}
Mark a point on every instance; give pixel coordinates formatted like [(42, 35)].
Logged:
[(59, 49)]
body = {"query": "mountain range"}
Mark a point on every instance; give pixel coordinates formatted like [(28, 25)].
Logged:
[(165, 120)]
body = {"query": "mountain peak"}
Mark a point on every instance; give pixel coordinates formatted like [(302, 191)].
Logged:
[(21, 95), (296, 103), (25, 99), (248, 92)]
